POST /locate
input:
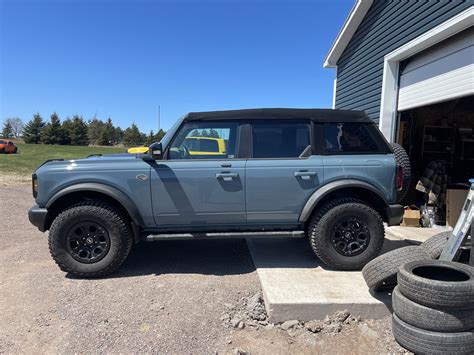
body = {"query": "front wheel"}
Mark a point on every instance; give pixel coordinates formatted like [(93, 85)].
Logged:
[(90, 239), (346, 234)]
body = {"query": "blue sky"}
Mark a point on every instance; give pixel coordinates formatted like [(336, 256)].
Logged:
[(123, 58)]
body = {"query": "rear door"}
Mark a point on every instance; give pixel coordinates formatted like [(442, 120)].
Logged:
[(282, 171)]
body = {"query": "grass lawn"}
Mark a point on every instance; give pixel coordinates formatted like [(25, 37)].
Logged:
[(31, 155)]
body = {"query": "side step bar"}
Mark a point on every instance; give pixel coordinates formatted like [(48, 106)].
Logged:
[(232, 235)]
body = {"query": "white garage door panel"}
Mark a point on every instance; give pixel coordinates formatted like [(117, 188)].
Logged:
[(442, 73), (457, 83)]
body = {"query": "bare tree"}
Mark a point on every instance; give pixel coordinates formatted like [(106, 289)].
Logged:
[(17, 126)]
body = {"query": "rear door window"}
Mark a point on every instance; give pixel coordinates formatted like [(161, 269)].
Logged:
[(280, 139), (350, 138)]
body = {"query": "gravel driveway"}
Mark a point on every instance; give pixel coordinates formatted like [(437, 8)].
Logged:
[(168, 297)]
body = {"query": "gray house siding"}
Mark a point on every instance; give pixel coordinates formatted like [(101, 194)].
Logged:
[(387, 25)]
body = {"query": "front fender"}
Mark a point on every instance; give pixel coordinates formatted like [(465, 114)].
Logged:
[(110, 191)]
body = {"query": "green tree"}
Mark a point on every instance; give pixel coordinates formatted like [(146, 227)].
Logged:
[(205, 133), (195, 133), (118, 135), (16, 125), (52, 132), (159, 136), (7, 130), (132, 136), (32, 130), (150, 138), (76, 131), (107, 135), (213, 133), (94, 130)]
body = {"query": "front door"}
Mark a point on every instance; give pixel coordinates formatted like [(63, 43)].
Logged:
[(201, 181), (282, 172)]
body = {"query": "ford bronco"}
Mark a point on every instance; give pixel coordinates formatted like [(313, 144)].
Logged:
[(328, 175)]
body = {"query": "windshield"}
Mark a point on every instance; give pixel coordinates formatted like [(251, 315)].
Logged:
[(169, 135)]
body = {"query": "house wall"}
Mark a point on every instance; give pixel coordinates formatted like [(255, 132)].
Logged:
[(387, 25)]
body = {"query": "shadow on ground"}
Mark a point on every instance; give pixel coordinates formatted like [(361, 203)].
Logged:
[(207, 257)]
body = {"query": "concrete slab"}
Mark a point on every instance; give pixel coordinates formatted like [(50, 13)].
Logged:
[(413, 233), (296, 286)]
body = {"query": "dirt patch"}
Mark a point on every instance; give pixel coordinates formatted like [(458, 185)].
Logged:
[(169, 297)]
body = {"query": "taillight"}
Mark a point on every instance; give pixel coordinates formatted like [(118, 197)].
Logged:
[(34, 180), (399, 178)]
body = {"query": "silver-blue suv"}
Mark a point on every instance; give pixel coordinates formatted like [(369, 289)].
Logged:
[(328, 175)]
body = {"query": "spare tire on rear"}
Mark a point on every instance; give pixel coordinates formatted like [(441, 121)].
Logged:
[(403, 161)]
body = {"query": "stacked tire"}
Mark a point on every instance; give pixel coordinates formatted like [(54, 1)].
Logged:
[(433, 307), (380, 274)]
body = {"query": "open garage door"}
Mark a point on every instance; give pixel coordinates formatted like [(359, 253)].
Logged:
[(439, 74)]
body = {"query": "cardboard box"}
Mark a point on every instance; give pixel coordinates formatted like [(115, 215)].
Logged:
[(454, 202), (411, 217)]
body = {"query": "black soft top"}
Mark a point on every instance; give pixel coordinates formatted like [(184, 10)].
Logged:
[(317, 115)]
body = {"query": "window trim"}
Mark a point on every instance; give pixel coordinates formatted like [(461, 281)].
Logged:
[(304, 120)]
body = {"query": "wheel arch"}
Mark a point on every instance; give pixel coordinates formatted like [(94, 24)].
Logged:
[(84, 191), (345, 188)]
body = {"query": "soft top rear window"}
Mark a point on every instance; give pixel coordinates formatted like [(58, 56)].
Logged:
[(351, 137)]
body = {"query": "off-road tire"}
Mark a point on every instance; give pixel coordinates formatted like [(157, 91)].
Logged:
[(112, 220), (448, 320), (322, 222), (420, 341), (381, 273), (435, 244), (15, 151), (438, 284), (2, 151), (402, 159)]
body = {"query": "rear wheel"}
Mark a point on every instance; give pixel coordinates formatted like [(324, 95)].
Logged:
[(15, 151), (346, 234), (90, 239)]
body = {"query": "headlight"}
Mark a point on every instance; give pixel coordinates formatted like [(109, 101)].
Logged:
[(34, 180)]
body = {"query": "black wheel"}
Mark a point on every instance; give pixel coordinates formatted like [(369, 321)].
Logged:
[(2, 151), (346, 233), (403, 161), (90, 239), (15, 151), (435, 245), (437, 284), (422, 341), (437, 320), (381, 273)]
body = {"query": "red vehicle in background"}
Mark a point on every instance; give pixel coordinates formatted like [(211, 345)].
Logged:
[(7, 146)]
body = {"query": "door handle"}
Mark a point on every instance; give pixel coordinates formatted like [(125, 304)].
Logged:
[(227, 176), (305, 175)]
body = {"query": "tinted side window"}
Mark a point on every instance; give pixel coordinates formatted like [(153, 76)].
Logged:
[(282, 139), (205, 140), (349, 137)]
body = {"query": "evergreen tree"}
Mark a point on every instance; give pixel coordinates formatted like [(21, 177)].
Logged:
[(194, 133), (205, 133), (159, 136), (107, 134), (132, 136), (32, 130), (67, 127), (52, 132), (118, 135), (150, 138), (94, 130), (7, 130), (77, 131), (213, 133)]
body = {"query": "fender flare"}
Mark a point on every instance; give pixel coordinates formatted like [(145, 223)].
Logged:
[(110, 191), (324, 190)]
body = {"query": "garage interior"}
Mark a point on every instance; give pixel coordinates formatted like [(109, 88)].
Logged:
[(436, 127), (441, 133)]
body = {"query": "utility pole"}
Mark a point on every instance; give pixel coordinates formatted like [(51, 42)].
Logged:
[(159, 117)]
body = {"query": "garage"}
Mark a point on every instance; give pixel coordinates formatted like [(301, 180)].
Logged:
[(410, 66)]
